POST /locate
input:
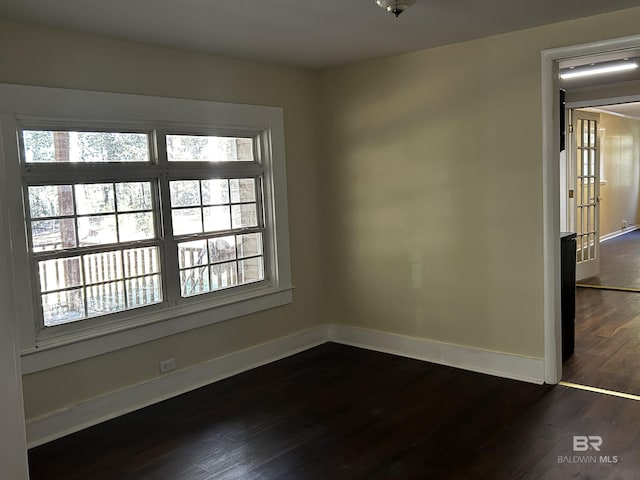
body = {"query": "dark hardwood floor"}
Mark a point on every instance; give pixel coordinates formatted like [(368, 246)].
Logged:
[(607, 351), (619, 262), (338, 412)]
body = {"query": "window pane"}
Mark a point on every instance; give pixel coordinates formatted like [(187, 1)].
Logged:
[(197, 148), (134, 196), (103, 267), (251, 270), (39, 146), (60, 273), (105, 298), (243, 190), (223, 275), (249, 245), (53, 234), (84, 147), (141, 261), (185, 193), (216, 219), (186, 220), (215, 192), (143, 290), (94, 198), (105, 289), (194, 281), (97, 230), (135, 226), (50, 201), (244, 215), (62, 307), (191, 254), (222, 249)]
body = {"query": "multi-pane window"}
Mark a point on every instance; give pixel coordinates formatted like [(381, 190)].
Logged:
[(107, 208), (130, 218), (223, 213), (79, 238)]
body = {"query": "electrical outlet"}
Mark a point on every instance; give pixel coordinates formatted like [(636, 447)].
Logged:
[(624, 224), (167, 365)]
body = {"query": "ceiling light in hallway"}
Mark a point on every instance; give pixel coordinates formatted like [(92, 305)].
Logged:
[(597, 69)]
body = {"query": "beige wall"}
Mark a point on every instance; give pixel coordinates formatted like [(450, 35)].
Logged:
[(621, 169), (40, 56), (436, 187)]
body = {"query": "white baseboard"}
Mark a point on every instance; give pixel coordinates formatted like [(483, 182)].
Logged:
[(91, 412), (86, 414), (617, 233), (474, 359)]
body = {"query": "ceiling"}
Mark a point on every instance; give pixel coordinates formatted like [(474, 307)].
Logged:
[(629, 110), (619, 56), (308, 33), (627, 78)]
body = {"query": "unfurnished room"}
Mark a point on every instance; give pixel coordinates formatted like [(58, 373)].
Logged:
[(303, 239)]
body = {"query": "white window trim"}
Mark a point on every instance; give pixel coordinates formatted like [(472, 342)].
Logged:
[(17, 101)]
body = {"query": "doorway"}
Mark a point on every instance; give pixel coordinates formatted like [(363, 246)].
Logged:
[(607, 191), (617, 190), (603, 190), (552, 60)]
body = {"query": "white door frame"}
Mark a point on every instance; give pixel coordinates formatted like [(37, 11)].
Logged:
[(13, 444), (551, 190)]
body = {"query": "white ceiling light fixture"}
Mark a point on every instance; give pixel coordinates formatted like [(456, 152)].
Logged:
[(597, 70), (395, 6)]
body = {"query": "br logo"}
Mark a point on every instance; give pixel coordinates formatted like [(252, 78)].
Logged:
[(583, 443)]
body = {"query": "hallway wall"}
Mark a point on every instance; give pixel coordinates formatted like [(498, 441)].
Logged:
[(620, 175)]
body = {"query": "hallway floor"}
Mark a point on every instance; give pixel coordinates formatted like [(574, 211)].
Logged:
[(607, 351), (619, 262)]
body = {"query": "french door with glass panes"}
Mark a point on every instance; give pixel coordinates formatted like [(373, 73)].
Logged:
[(585, 152)]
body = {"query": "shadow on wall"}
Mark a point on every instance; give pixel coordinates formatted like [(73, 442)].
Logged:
[(428, 200)]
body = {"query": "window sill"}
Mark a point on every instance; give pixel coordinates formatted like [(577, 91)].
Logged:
[(56, 351)]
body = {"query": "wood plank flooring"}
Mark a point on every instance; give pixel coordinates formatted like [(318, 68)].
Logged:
[(338, 412), (607, 351), (619, 262)]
